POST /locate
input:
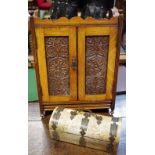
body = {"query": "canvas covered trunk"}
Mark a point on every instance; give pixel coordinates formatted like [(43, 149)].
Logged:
[(85, 129)]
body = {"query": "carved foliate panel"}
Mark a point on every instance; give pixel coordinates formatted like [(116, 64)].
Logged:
[(96, 64), (57, 58)]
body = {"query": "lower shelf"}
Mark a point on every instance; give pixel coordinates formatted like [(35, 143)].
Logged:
[(49, 107)]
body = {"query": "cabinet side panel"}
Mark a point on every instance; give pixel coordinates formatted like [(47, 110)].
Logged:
[(57, 59)]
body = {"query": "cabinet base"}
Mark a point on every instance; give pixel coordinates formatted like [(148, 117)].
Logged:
[(80, 106)]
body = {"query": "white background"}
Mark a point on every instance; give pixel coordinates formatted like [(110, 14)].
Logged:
[(140, 77)]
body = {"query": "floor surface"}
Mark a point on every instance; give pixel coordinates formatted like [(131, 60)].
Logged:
[(39, 142)]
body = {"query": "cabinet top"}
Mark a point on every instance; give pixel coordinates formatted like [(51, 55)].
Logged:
[(75, 21)]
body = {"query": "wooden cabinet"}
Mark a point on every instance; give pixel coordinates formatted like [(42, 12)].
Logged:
[(76, 62)]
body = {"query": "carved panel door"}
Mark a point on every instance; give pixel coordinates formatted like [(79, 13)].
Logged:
[(96, 62), (56, 50)]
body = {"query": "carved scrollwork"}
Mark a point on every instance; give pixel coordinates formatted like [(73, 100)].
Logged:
[(96, 64), (57, 58)]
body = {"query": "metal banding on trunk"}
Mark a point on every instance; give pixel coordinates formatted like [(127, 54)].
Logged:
[(84, 125), (54, 122)]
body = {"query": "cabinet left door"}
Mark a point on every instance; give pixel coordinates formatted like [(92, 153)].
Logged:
[(56, 51)]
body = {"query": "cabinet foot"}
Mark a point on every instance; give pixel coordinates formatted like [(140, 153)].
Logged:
[(42, 115), (111, 112)]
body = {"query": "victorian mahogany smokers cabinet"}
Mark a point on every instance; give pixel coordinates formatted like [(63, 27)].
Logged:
[(76, 62)]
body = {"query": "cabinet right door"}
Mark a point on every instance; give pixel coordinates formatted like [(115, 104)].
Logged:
[(96, 62)]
